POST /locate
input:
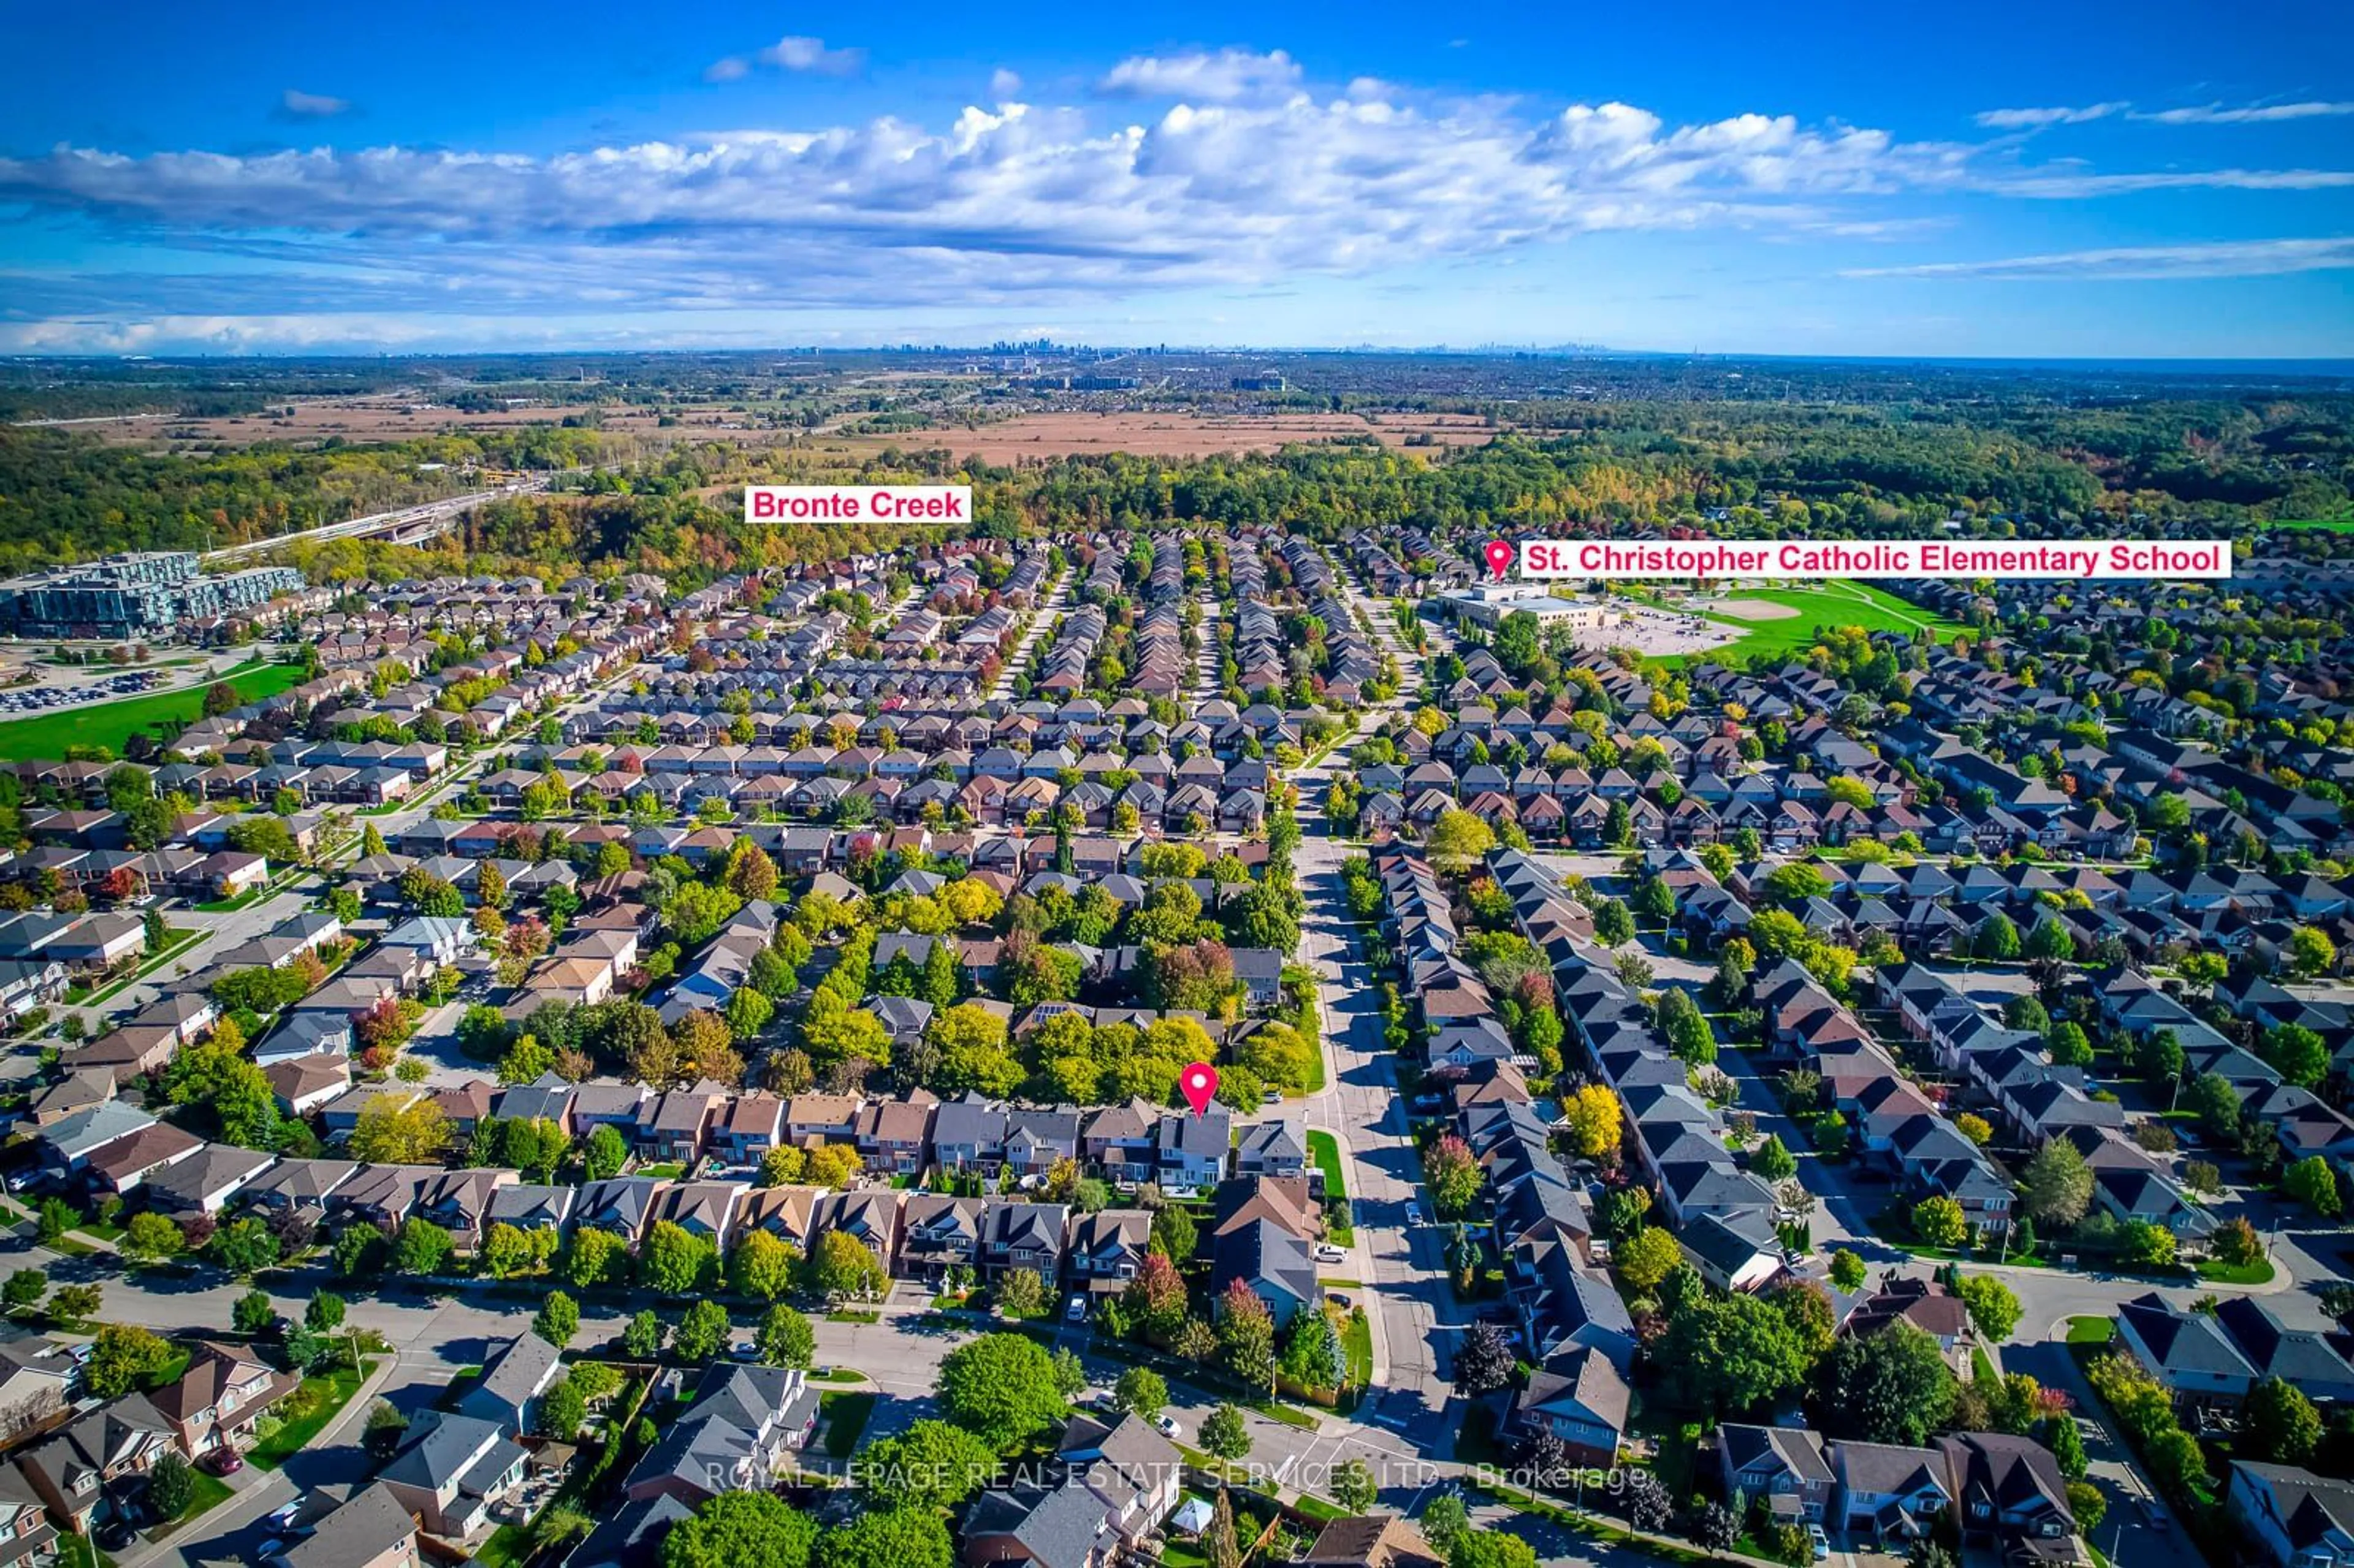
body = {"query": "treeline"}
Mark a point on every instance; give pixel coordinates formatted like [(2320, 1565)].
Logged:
[(65, 495)]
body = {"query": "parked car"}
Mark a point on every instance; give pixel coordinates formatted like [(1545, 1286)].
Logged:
[(1413, 1213), (1168, 1425), (1271, 1098), (224, 1461), (1076, 1311), (1823, 1542), (1327, 1253)]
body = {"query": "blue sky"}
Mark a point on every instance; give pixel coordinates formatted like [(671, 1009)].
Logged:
[(2059, 179)]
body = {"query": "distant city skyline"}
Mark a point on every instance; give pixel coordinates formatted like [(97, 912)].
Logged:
[(2092, 181)]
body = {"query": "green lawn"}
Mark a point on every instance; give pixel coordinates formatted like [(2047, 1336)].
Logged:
[(308, 1411), (2344, 525), (1325, 1150), (849, 1315), (210, 1492), (2257, 1273), (1357, 1338), (845, 1419), (45, 735), (1827, 604), (2091, 1330)]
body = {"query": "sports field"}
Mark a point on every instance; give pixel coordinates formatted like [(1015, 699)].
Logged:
[(44, 737), (1810, 607)]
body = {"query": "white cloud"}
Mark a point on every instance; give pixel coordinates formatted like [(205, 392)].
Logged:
[(2068, 184), (1249, 177), (2230, 258), (2246, 114), (2036, 118), (1004, 84), (2194, 114), (312, 105), (1228, 75), (735, 68), (812, 55)]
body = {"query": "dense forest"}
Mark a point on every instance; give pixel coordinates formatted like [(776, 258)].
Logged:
[(65, 495)]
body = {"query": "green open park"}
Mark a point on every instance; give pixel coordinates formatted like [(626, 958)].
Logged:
[(44, 737), (1814, 606)]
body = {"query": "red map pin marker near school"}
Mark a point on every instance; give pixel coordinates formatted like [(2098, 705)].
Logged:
[(1499, 556), (1200, 1082)]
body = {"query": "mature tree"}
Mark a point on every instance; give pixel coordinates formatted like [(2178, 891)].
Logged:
[(2299, 1054), (1352, 1487), (1939, 1221), (562, 1409), (930, 1464), (1022, 1293), (1772, 1162), (642, 1339), (2057, 1184), (1644, 1258), (243, 1246), (595, 1256), (253, 1312), (703, 1331), (2281, 1426), (1594, 1122), (1173, 1232), (1848, 1272), (674, 1261), (420, 1246), (122, 1357), (891, 1538), (1219, 1547), (1993, 1309), (841, 1267), (1731, 1354), (2067, 1444), (1245, 1331), (1889, 1387), (1453, 1173), (151, 1237), (1457, 839), (761, 1265), (171, 1486), (1155, 1299), (741, 1529), (2236, 1243), (1613, 925), (2311, 952), (1000, 1388), (786, 1338), (2312, 1183), (1714, 1527), (391, 1132), (1996, 938), (558, 1318), (1225, 1433), (604, 1153), (1483, 1359), (1141, 1391)]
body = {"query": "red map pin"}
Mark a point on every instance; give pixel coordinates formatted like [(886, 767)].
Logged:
[(1200, 1082), (1499, 556)]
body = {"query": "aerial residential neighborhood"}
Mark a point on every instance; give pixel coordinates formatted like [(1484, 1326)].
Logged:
[(1686, 1102), (1504, 788)]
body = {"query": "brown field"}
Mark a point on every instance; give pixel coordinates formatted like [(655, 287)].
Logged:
[(388, 418), (1753, 609), (1183, 435)]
